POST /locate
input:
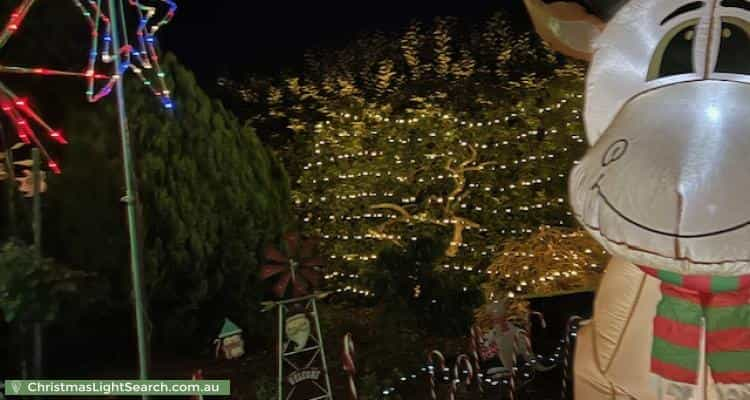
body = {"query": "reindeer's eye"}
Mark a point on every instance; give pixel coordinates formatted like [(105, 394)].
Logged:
[(734, 52), (674, 55)]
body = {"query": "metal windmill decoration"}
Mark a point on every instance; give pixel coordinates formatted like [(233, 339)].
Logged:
[(297, 266), (296, 270)]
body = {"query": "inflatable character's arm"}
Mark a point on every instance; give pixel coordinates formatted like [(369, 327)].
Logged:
[(616, 340), (620, 292)]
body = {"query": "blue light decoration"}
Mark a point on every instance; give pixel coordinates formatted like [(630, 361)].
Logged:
[(140, 58)]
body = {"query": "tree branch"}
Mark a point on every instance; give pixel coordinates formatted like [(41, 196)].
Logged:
[(392, 206)]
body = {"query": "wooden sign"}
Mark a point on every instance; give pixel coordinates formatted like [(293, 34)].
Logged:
[(308, 374)]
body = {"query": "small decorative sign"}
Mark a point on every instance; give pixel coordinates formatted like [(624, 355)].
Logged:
[(309, 374)]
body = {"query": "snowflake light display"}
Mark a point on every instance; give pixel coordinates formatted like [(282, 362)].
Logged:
[(140, 57)]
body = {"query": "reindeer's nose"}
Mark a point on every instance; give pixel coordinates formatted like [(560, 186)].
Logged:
[(675, 162)]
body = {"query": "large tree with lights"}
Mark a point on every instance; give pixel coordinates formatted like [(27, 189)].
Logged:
[(465, 133)]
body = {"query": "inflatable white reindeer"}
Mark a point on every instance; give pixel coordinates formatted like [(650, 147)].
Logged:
[(664, 187)]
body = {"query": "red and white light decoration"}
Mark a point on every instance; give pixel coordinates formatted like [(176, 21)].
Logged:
[(141, 58)]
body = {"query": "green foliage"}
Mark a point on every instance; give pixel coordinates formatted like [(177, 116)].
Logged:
[(211, 194), (552, 261), (32, 290), (409, 284), (369, 387), (374, 356), (218, 195), (265, 388)]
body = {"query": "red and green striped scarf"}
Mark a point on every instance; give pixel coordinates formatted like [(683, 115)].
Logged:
[(724, 302)]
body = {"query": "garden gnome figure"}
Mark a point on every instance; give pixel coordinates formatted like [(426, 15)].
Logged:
[(230, 341), (298, 330)]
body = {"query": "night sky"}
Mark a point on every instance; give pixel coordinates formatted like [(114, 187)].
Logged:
[(217, 37)]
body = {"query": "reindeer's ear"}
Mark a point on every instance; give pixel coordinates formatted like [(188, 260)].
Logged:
[(566, 27)]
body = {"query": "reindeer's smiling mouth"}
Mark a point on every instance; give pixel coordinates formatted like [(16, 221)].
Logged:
[(600, 192)]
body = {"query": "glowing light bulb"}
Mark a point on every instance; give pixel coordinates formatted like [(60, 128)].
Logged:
[(53, 166)]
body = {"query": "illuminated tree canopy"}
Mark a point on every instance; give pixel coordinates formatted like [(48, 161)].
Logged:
[(464, 133), (552, 260)]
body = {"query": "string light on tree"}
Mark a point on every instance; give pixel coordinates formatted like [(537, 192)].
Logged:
[(330, 157), (474, 150)]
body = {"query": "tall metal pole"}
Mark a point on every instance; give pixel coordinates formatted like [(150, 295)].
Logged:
[(280, 380), (130, 198), (37, 213), (37, 363)]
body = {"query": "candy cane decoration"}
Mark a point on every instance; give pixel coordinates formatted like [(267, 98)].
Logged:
[(430, 361), (513, 369), (452, 388), (530, 353), (197, 375), (464, 360), (572, 321), (539, 315), (348, 364), (474, 346)]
